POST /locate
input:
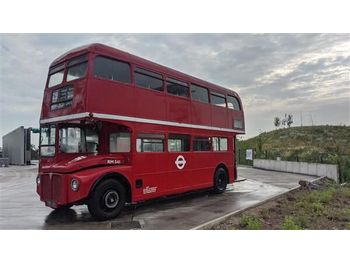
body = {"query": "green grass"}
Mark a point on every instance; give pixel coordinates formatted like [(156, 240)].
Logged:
[(314, 202), (345, 191), (291, 223), (319, 144), (318, 196), (250, 222)]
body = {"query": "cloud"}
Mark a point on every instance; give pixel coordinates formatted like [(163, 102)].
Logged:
[(273, 73)]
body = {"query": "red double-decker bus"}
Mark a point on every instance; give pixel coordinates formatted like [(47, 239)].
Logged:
[(117, 129)]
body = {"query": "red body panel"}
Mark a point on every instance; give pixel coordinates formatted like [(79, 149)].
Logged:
[(140, 110)]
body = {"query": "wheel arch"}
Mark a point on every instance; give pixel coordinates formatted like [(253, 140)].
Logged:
[(222, 165), (116, 176)]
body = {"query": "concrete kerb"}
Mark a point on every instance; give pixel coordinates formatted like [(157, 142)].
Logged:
[(218, 220)]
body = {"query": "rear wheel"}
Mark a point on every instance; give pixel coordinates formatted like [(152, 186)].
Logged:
[(220, 180), (107, 200)]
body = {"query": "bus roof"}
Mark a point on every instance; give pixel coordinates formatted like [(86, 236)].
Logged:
[(113, 52)]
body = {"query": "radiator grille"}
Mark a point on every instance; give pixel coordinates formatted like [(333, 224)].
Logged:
[(51, 187)]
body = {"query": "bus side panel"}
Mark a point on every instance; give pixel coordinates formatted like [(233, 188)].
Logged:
[(201, 113), (149, 104), (179, 109), (113, 97), (151, 169), (220, 119)]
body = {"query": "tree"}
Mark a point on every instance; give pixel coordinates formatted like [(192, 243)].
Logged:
[(284, 120), (277, 121), (289, 120)]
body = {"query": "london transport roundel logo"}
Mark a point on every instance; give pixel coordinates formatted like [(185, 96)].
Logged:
[(180, 162)]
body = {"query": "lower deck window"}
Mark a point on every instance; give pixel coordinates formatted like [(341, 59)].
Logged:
[(119, 142), (178, 143), (150, 143), (219, 144), (201, 144)]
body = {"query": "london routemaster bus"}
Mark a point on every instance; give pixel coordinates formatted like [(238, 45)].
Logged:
[(117, 129)]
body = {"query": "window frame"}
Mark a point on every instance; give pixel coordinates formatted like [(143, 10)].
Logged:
[(180, 83), (239, 103), (149, 73), (113, 59), (77, 61), (217, 95), (53, 144), (219, 138), (150, 136), (54, 70), (82, 139), (109, 141), (198, 86), (181, 135), (202, 137)]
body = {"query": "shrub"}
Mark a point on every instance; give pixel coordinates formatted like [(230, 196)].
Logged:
[(317, 207), (250, 222)]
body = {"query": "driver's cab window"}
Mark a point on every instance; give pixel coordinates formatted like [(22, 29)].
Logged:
[(78, 140), (91, 140), (119, 142)]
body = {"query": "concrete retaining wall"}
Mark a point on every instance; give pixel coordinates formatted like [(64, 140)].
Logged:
[(314, 169)]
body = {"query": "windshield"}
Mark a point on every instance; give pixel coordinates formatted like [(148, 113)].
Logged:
[(47, 140), (78, 140), (76, 68), (56, 75)]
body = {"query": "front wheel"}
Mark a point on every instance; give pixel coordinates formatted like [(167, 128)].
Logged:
[(107, 200), (220, 180)]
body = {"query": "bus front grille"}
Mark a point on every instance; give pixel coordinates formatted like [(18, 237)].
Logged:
[(51, 185)]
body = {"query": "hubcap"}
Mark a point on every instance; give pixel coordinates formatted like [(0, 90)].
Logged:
[(111, 199)]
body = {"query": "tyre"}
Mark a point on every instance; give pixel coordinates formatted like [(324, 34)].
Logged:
[(107, 200), (65, 207), (220, 180)]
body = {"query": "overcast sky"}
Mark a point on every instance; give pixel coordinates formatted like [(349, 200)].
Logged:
[(302, 74)]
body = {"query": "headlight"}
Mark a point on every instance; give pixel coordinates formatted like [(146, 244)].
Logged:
[(74, 184), (38, 180)]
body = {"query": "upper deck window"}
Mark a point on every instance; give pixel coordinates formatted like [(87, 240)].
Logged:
[(199, 93), (56, 75), (112, 69), (233, 103), (77, 68), (218, 99), (148, 79), (178, 88)]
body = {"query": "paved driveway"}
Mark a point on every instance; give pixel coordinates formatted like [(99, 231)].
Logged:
[(20, 207)]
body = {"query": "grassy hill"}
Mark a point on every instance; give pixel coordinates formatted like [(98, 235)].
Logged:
[(320, 144)]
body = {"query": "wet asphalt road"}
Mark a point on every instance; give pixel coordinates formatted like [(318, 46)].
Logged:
[(20, 207)]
